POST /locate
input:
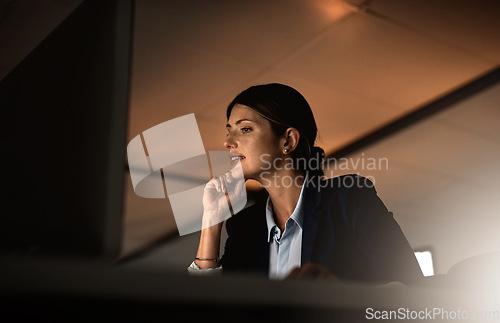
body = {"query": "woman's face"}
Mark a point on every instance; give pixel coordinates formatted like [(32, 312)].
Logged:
[(251, 139)]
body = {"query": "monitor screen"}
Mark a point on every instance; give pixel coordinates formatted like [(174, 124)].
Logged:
[(64, 121)]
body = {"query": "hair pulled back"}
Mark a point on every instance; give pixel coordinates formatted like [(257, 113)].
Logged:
[(285, 107)]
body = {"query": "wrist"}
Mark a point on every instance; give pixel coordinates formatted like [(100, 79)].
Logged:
[(206, 262), (208, 249), (212, 229)]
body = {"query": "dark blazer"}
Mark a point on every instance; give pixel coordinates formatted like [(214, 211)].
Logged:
[(346, 229)]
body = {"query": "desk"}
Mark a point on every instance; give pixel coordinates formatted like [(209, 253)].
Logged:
[(82, 291)]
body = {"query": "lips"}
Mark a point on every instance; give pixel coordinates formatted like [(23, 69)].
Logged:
[(235, 157)]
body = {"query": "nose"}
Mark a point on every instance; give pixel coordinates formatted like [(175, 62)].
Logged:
[(229, 142)]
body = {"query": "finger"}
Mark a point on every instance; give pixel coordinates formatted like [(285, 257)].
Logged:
[(326, 274), (223, 184), (292, 275), (210, 184), (310, 271), (302, 272), (229, 177), (217, 184)]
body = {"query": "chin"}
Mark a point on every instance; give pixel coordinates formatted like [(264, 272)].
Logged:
[(249, 175)]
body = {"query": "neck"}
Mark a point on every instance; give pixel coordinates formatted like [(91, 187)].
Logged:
[(284, 190)]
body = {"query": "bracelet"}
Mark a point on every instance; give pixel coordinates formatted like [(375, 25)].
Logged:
[(207, 259)]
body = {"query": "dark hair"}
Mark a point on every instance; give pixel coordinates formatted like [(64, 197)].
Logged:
[(285, 107)]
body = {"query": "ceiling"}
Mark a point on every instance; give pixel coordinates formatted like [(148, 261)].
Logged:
[(358, 67), (360, 64)]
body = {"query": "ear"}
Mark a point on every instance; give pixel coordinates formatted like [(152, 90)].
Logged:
[(290, 139)]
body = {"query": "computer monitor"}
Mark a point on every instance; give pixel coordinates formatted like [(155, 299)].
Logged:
[(64, 121)]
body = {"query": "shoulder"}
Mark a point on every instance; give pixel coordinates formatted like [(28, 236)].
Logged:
[(346, 196)]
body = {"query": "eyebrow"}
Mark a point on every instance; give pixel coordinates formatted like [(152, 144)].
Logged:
[(237, 122)]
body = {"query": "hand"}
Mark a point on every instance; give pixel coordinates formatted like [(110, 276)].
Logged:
[(216, 202), (310, 271)]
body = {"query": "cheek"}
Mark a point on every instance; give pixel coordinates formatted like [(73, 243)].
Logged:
[(265, 152), (262, 148), (272, 149)]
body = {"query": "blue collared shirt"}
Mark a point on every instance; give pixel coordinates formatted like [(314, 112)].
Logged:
[(285, 248)]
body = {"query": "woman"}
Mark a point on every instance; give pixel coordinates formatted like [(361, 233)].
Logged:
[(308, 227)]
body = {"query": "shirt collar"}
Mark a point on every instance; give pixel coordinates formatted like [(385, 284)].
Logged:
[(297, 215)]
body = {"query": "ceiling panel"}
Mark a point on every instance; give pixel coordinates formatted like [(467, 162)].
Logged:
[(184, 80), (440, 149), (470, 25), (258, 32), (484, 121), (368, 56)]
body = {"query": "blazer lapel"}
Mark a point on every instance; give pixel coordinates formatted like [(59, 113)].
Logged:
[(260, 243), (312, 214)]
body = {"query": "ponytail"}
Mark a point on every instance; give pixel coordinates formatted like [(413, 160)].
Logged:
[(315, 163)]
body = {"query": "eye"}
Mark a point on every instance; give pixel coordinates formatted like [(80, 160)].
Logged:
[(245, 129)]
